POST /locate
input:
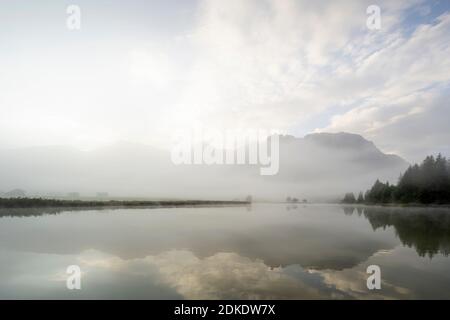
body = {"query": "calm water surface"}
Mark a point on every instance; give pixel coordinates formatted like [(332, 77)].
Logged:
[(266, 251)]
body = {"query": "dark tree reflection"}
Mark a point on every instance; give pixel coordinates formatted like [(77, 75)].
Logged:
[(427, 230)]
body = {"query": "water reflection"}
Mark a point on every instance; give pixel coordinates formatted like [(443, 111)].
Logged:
[(312, 237), (226, 253), (427, 230), (224, 275), (172, 274), (34, 212)]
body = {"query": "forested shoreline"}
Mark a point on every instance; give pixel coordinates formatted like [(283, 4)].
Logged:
[(424, 184)]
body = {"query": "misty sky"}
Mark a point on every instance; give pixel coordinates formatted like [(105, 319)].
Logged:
[(139, 70)]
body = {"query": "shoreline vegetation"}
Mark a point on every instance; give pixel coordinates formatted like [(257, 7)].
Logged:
[(25, 203), (427, 184)]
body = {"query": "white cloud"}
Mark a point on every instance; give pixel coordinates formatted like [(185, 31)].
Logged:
[(411, 77), (264, 64), (273, 64)]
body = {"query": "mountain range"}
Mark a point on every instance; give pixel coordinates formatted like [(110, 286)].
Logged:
[(317, 167)]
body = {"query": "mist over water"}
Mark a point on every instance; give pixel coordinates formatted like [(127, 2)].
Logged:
[(319, 167)]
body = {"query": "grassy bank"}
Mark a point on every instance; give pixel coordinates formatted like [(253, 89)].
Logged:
[(55, 203)]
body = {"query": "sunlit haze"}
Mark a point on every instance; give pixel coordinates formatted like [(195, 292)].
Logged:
[(139, 70)]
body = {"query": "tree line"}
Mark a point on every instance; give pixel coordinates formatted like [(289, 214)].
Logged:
[(427, 183)]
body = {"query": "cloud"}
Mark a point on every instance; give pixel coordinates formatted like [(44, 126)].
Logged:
[(271, 64), (263, 64), (402, 82), (259, 63)]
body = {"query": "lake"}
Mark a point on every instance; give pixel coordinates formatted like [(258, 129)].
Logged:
[(263, 251)]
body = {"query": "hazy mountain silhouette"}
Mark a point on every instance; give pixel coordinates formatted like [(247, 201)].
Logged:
[(318, 166)]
